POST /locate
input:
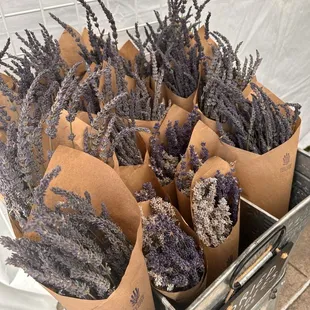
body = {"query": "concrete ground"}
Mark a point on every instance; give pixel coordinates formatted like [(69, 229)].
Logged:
[(295, 294)]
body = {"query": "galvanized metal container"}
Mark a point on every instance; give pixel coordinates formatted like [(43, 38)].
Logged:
[(254, 279)]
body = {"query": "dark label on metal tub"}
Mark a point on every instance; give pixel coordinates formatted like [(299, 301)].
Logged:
[(262, 282)]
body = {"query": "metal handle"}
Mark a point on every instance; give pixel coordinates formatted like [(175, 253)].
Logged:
[(266, 256)]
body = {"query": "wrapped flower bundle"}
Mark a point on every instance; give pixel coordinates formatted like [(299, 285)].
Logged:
[(174, 256), (214, 205), (159, 119), (76, 250)]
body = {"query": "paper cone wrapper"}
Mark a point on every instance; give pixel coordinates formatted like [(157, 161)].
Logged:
[(8, 81), (133, 292), (184, 205), (146, 138), (183, 298), (208, 121), (2, 136), (69, 51), (85, 39), (266, 180), (175, 113), (170, 191), (82, 172), (83, 116), (63, 131), (135, 176), (206, 44), (221, 257), (129, 52), (185, 103), (146, 124), (16, 228)]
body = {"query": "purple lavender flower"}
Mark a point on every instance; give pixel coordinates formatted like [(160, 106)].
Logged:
[(146, 193), (215, 206), (173, 260), (76, 253)]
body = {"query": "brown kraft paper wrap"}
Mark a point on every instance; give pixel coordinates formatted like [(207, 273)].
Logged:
[(175, 113), (170, 190), (135, 176), (129, 52), (146, 124), (266, 180), (85, 39), (206, 44), (69, 50), (182, 297), (81, 172), (63, 131), (221, 257), (185, 103)]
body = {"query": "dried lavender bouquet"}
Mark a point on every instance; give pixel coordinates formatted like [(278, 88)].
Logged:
[(140, 105), (226, 66), (215, 204), (39, 60), (185, 175), (172, 45), (23, 154), (257, 126), (174, 261), (73, 252), (164, 158), (103, 45), (37, 57)]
